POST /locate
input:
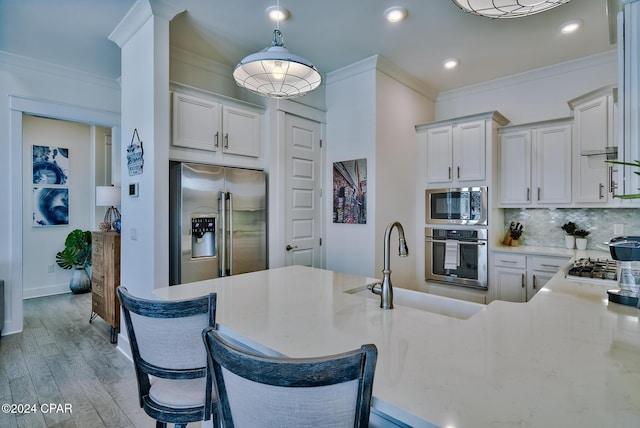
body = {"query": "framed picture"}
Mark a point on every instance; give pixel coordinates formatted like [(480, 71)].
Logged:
[(50, 165), (50, 206), (350, 191)]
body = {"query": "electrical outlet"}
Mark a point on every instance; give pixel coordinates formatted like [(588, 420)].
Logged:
[(49, 268)]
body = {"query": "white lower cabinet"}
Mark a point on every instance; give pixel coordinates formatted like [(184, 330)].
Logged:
[(518, 277), (510, 276), (540, 270)]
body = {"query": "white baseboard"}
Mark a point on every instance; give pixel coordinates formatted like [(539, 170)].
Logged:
[(50, 290)]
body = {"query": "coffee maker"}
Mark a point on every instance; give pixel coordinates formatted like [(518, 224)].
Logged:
[(625, 250)]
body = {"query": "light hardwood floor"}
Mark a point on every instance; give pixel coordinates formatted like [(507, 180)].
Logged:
[(60, 358)]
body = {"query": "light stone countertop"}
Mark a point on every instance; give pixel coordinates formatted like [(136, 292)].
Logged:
[(567, 358)]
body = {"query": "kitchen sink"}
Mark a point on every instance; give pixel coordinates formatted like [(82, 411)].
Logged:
[(454, 308)]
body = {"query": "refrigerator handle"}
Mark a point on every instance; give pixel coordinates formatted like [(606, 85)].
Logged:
[(222, 249), (230, 198)]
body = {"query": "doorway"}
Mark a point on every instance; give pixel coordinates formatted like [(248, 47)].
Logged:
[(20, 106), (303, 192)]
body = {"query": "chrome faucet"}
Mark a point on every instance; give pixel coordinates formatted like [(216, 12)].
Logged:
[(385, 289)]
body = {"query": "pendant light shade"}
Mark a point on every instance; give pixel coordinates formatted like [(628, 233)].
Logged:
[(277, 73), (507, 8)]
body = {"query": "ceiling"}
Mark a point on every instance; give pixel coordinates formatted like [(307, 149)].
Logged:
[(330, 33)]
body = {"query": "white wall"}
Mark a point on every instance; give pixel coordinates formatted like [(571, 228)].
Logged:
[(351, 134), (40, 244), (398, 110), (372, 114), (534, 95), (48, 90)]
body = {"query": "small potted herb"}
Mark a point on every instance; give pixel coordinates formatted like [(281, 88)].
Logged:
[(570, 229), (581, 238)]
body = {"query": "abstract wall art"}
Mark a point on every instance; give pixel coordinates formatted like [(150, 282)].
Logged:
[(50, 165), (50, 206), (350, 191)]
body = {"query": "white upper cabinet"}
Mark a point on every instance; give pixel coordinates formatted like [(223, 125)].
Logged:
[(535, 164), (594, 142), (439, 143), (212, 130), (242, 130), (457, 151), (515, 167), (552, 145), (196, 123), (470, 151)]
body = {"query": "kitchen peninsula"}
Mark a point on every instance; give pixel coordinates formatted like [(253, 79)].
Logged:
[(566, 358)]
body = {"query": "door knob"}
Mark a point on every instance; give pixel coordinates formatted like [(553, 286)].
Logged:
[(289, 247)]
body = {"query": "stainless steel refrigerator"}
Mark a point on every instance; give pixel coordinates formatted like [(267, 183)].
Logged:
[(217, 220)]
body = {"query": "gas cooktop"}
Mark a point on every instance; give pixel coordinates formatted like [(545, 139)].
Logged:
[(593, 270)]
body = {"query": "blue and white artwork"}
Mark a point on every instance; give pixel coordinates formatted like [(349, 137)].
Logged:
[(50, 165), (50, 206)]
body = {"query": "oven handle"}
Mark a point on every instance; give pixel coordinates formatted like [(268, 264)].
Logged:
[(430, 239)]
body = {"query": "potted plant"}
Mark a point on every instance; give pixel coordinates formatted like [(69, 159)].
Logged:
[(569, 239), (76, 255), (581, 238)]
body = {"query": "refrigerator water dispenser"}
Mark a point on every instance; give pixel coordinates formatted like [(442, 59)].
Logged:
[(203, 237)]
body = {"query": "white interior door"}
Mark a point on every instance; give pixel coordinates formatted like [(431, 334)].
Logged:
[(303, 213)]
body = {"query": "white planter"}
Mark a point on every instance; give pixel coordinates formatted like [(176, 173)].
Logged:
[(581, 243), (569, 241)]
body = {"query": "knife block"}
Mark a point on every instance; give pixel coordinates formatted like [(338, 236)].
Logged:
[(507, 238)]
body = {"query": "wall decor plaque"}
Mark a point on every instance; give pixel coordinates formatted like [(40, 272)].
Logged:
[(135, 160)]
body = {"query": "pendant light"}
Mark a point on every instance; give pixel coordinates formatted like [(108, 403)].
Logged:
[(275, 72), (507, 8)]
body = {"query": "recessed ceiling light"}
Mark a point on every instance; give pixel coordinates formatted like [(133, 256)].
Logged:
[(570, 26), (277, 13), (395, 13), (451, 63)]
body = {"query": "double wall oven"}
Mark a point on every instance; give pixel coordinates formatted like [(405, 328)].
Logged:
[(456, 236)]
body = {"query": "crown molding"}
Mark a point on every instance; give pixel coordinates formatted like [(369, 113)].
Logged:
[(383, 65), (20, 62), (532, 75), (138, 15)]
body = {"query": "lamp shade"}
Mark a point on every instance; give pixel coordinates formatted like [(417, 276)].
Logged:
[(107, 196), (507, 8), (275, 72)]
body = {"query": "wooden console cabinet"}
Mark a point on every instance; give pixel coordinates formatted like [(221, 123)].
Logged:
[(105, 278)]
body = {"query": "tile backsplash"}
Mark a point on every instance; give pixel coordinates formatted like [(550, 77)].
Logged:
[(542, 226)]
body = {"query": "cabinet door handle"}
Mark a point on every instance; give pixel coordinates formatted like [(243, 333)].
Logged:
[(600, 195), (528, 194), (534, 282), (613, 186), (458, 172), (508, 261), (449, 173), (226, 141), (523, 281), (550, 266), (215, 139), (538, 193)]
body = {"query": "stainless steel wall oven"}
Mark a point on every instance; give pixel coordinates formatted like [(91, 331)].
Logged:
[(456, 256)]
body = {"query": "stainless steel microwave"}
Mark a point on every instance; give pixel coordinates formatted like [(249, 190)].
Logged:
[(463, 205)]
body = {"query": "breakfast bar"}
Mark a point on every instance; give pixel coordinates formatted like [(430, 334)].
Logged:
[(566, 358)]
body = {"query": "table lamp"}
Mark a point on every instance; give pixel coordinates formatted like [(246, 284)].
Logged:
[(108, 196)]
